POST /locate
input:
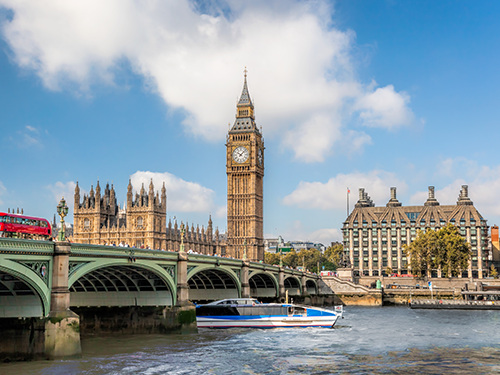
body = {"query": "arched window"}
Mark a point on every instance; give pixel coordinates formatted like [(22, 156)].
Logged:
[(86, 223), (140, 222)]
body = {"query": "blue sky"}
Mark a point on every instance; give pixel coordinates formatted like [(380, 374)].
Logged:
[(352, 94)]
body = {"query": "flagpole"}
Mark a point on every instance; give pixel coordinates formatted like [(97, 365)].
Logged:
[(347, 203)]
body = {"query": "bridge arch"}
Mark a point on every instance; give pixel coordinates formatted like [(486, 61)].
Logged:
[(29, 296), (311, 287), (263, 284), (293, 285), (210, 283), (117, 282)]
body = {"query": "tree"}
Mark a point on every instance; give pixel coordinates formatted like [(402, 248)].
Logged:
[(493, 272), (310, 258), (444, 249), (452, 251), (332, 257), (272, 258), (291, 259), (420, 252)]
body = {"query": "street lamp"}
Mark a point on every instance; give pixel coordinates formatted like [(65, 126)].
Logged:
[(280, 250), (62, 210), (182, 236)]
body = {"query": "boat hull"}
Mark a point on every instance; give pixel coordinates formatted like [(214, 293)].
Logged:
[(249, 313), (266, 322)]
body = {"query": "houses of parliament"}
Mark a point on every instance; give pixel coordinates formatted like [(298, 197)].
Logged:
[(142, 222)]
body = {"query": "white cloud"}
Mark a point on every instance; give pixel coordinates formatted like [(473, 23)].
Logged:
[(29, 136), (484, 185), (385, 108), (64, 190), (451, 167), (332, 194), (182, 196), (301, 71), (326, 236), (296, 232)]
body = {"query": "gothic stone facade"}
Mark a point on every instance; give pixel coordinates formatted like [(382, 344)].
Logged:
[(142, 223), (245, 174), (374, 236)]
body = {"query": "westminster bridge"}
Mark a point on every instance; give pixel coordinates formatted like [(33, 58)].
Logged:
[(107, 285)]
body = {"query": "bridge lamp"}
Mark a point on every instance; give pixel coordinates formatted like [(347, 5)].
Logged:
[(280, 240), (62, 210)]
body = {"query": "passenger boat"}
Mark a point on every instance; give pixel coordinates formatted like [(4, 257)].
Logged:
[(472, 300), (250, 313)]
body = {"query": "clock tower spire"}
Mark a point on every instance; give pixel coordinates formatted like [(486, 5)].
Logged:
[(245, 174)]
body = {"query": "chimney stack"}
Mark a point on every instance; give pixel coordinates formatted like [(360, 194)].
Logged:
[(431, 201), (393, 193), (465, 191), (463, 198), (361, 193), (393, 202)]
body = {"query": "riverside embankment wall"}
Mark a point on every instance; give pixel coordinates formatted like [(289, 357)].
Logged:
[(396, 290)]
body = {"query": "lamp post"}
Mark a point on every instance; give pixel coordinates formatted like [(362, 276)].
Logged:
[(280, 250), (182, 236), (62, 210)]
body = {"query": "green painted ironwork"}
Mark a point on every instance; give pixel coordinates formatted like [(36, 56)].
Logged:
[(41, 268), (74, 266)]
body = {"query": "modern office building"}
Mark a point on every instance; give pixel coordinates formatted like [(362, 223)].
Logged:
[(374, 236)]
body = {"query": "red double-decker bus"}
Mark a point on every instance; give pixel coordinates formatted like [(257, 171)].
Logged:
[(18, 226)]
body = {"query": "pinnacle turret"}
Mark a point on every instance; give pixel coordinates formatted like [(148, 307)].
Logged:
[(245, 118)]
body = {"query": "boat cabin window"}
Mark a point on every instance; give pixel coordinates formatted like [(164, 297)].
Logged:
[(238, 302)]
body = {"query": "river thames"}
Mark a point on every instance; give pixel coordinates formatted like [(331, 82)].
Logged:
[(369, 340)]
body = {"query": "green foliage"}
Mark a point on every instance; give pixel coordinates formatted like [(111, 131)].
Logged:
[(493, 272), (308, 258), (333, 255), (388, 271), (444, 249), (291, 259), (271, 258)]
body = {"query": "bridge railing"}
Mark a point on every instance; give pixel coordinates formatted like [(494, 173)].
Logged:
[(15, 244)]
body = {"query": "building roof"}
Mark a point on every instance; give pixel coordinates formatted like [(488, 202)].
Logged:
[(245, 119), (431, 211)]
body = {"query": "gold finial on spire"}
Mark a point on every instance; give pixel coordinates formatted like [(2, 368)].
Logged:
[(245, 72)]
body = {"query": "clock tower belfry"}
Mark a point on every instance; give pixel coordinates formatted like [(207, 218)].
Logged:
[(245, 175)]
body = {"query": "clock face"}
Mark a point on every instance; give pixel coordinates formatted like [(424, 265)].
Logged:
[(261, 157), (240, 154)]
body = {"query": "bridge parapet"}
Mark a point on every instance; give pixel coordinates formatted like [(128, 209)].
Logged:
[(113, 251), (19, 245)]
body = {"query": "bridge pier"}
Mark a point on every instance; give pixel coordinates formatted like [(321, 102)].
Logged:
[(184, 312), (245, 284), (281, 282), (62, 327), (303, 280)]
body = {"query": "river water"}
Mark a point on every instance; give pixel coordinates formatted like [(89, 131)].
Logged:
[(369, 340)]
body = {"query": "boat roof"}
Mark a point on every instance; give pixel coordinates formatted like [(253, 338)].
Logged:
[(235, 301)]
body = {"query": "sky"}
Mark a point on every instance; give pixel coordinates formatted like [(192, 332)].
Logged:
[(349, 94)]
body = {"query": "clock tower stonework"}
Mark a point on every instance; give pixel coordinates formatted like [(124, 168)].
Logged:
[(245, 174)]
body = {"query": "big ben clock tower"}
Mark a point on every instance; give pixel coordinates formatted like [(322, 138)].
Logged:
[(245, 173)]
